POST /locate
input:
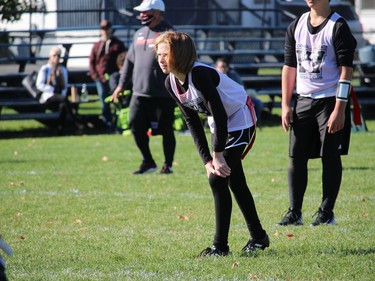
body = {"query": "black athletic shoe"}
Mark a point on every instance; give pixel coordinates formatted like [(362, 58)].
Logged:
[(291, 218), (3, 276), (146, 168), (256, 244), (324, 217), (213, 251), (166, 169)]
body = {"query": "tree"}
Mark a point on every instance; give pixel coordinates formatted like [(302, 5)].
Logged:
[(11, 10)]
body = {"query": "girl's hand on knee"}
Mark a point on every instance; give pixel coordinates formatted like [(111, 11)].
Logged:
[(209, 168), (221, 167)]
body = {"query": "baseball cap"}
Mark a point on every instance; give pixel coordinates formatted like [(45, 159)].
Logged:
[(148, 5), (105, 24)]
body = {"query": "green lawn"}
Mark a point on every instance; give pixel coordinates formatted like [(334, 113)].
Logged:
[(71, 210)]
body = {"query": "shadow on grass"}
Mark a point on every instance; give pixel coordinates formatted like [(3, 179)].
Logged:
[(359, 168), (350, 252), (92, 127), (268, 119)]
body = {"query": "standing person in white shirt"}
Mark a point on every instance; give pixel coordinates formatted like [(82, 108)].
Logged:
[(319, 51)]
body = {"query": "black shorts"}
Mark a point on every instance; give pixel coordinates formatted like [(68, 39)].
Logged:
[(241, 137), (309, 134), (154, 113)]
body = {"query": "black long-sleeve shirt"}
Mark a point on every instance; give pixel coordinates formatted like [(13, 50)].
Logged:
[(214, 94)]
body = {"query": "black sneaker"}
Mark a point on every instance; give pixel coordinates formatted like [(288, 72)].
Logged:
[(291, 218), (213, 251), (256, 244), (166, 169), (2, 270), (324, 217), (146, 168)]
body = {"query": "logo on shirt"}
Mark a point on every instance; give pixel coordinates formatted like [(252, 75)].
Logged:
[(141, 41), (310, 61), (197, 105)]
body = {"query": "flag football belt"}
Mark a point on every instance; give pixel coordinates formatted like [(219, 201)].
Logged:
[(250, 105), (356, 108)]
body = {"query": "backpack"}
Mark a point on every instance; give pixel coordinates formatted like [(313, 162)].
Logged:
[(29, 82)]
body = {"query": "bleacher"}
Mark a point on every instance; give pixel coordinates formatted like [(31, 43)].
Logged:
[(256, 53)]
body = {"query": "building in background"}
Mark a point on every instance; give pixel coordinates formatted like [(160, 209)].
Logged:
[(366, 13), (73, 24)]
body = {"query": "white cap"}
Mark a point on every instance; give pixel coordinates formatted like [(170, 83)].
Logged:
[(148, 5)]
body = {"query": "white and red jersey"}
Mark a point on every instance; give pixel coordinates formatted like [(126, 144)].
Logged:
[(232, 95), (214, 94)]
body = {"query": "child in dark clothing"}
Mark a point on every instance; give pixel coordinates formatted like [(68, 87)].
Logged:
[(199, 88)]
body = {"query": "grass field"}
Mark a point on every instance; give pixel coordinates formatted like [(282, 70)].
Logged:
[(71, 210)]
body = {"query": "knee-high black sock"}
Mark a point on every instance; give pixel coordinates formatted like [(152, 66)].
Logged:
[(142, 141), (297, 176), (241, 191), (331, 177), (223, 209), (169, 146)]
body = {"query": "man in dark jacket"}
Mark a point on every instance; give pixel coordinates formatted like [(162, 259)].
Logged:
[(151, 106), (103, 63)]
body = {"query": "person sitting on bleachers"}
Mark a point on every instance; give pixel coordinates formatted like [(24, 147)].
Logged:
[(52, 81)]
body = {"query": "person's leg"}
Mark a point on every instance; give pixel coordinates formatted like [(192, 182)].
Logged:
[(139, 125), (223, 210), (331, 148), (242, 194), (297, 179), (332, 174), (259, 239), (166, 120), (59, 103), (303, 135), (65, 107), (103, 92)]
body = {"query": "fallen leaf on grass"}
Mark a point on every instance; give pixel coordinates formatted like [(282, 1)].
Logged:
[(235, 264), (253, 276), (277, 233), (290, 236), (182, 217), (21, 237), (21, 183)]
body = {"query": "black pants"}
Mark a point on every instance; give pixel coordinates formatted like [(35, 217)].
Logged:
[(158, 114), (298, 178), (61, 104), (221, 187), (309, 138)]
